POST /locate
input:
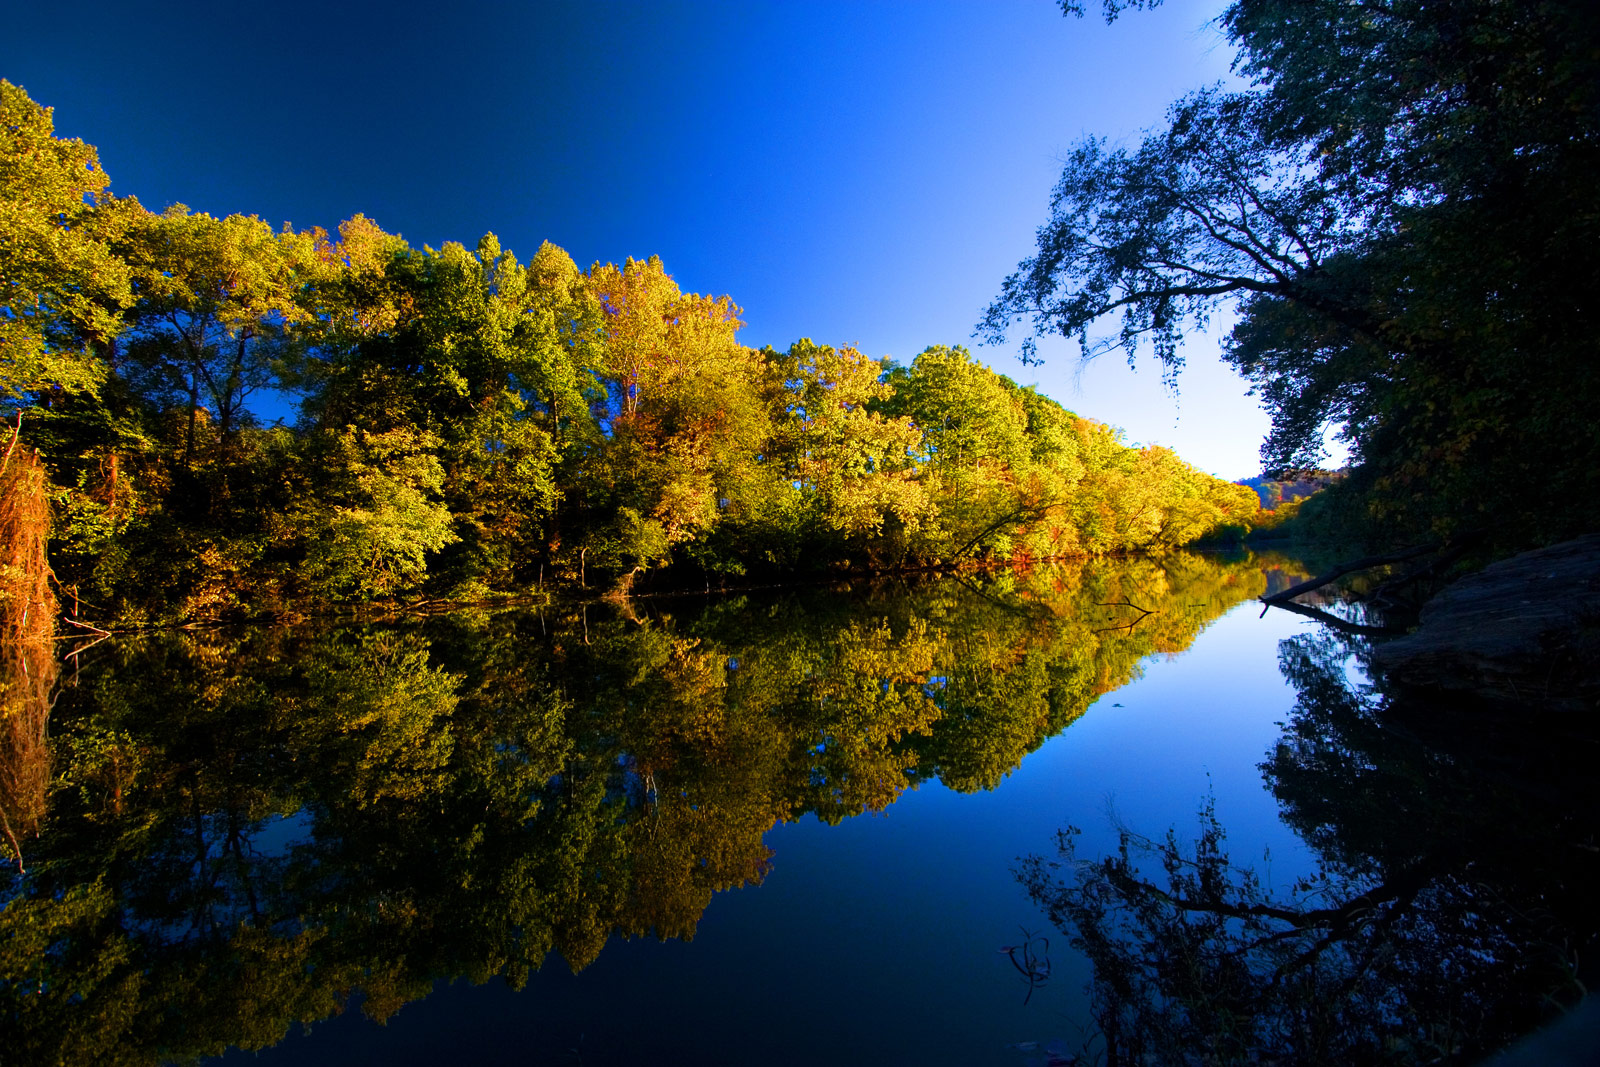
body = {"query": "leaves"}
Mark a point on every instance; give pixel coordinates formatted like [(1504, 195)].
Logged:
[(61, 280), (1401, 211)]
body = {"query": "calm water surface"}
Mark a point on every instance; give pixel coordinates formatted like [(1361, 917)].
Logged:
[(783, 828)]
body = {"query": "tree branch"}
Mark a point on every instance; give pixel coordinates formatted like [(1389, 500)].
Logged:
[(1365, 563)]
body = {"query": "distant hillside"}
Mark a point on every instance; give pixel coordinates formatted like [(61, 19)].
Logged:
[(1273, 492)]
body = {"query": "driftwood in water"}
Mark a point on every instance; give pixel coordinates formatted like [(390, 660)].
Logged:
[(1367, 563), (1386, 593), (1330, 619)]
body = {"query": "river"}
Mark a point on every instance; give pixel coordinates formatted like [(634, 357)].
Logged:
[(788, 827)]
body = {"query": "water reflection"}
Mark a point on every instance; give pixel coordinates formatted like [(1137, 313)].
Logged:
[(1449, 910), (249, 829)]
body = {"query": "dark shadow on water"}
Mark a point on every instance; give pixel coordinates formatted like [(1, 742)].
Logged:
[(1450, 911)]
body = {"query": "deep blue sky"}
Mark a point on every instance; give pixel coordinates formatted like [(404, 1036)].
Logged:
[(860, 173)]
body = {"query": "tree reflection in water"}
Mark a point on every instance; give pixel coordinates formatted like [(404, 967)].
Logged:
[(1451, 908), (252, 829)]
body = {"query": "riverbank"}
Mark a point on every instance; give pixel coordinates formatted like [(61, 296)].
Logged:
[(1525, 629)]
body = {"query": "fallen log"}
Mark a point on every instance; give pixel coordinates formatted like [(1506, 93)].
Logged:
[(1365, 563), (1327, 618)]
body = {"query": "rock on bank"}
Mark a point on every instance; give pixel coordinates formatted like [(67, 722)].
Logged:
[(1525, 631)]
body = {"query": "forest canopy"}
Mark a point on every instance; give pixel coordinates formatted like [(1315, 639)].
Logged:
[(463, 421), (1401, 210)]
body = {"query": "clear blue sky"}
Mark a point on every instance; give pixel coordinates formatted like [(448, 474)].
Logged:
[(856, 172)]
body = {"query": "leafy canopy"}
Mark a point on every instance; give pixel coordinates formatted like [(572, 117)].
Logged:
[(1401, 209)]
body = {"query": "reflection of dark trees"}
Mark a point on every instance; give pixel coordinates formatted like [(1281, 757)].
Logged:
[(250, 828), (27, 672), (1449, 911)]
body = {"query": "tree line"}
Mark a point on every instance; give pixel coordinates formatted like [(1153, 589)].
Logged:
[(465, 422)]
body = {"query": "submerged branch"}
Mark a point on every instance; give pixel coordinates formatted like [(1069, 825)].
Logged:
[(1365, 563), (1330, 619)]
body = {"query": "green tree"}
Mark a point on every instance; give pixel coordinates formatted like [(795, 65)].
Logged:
[(851, 464), (973, 427), (212, 296), (492, 358), (64, 288), (687, 411), (1398, 207), (378, 517)]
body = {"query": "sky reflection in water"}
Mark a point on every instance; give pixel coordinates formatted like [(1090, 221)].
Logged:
[(428, 843)]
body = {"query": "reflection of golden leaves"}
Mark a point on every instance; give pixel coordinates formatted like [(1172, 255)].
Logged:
[(683, 853), (385, 722), (537, 791)]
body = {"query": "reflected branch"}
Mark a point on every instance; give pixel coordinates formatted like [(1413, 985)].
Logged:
[(1447, 913), (1327, 618)]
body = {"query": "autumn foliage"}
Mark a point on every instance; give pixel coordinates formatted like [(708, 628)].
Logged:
[(454, 422)]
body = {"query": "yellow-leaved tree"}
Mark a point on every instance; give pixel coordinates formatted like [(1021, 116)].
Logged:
[(687, 411), (62, 287)]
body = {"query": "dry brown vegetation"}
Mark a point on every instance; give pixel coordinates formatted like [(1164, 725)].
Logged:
[(28, 665)]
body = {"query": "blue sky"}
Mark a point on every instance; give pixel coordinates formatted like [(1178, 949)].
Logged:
[(860, 173)]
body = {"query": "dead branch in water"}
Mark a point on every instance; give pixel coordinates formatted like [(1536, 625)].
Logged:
[(1330, 619), (1144, 613), (1365, 563), (1433, 568)]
